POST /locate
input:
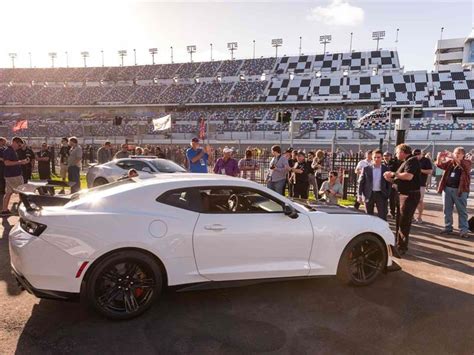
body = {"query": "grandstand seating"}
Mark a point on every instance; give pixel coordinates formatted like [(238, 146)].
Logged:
[(362, 81)]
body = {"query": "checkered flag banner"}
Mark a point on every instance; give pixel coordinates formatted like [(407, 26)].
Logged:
[(375, 117)]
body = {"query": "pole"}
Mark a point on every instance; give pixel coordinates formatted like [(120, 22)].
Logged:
[(439, 49), (102, 54), (350, 47), (211, 52), (253, 49), (396, 40), (67, 60), (171, 54), (135, 56), (378, 39), (31, 62), (324, 47), (300, 54), (389, 140), (292, 127)]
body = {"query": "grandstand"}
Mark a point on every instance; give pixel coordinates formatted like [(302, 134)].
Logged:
[(329, 92)]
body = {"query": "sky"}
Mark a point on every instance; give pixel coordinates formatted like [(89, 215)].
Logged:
[(40, 27)]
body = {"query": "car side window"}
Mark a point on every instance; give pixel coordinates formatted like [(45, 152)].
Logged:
[(138, 165), (125, 164), (187, 199), (238, 200)]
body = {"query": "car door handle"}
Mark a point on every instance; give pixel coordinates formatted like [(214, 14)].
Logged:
[(214, 227)]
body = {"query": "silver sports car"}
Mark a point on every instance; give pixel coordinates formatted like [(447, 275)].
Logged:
[(113, 170)]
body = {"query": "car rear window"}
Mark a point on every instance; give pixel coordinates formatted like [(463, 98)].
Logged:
[(94, 190), (167, 166)]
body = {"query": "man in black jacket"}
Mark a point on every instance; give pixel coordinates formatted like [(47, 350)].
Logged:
[(392, 165), (407, 179), (374, 188)]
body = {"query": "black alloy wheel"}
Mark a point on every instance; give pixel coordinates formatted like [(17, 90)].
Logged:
[(363, 260), (100, 181), (124, 285)]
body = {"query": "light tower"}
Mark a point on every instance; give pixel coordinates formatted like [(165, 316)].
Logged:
[(85, 55), (378, 36), (277, 42), (153, 51), (122, 53), (53, 56), (232, 46), (191, 49), (12, 56), (325, 40)]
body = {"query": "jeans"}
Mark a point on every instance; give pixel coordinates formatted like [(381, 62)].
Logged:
[(277, 186), (73, 173), (451, 198)]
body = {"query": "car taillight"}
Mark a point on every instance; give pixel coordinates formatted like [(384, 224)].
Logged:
[(33, 228)]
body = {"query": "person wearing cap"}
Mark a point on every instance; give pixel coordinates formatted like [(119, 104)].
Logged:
[(300, 171), (227, 165), (197, 157), (122, 153), (426, 169)]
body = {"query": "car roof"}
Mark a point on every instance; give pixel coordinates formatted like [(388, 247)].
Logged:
[(192, 177), (138, 158)]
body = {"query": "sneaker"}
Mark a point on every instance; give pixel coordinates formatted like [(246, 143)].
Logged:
[(6, 213), (464, 234), (419, 221), (446, 232)]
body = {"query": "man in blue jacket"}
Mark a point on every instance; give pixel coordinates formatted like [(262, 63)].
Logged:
[(374, 188)]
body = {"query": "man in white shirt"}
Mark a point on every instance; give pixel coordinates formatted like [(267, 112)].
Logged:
[(358, 170)]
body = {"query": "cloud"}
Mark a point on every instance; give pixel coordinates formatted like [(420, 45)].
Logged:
[(337, 13)]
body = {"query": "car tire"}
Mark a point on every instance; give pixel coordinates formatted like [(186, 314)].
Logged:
[(124, 284), (99, 182), (362, 261)]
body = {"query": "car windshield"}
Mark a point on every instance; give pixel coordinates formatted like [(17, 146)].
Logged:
[(166, 166), (88, 192)]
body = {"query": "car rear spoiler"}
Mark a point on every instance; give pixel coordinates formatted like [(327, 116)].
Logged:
[(33, 201)]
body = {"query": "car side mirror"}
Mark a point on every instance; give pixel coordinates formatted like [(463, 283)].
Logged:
[(290, 212), (147, 169)]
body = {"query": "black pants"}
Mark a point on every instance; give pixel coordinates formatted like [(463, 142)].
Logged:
[(379, 200), (45, 175), (300, 190), (26, 174), (408, 204), (393, 200)]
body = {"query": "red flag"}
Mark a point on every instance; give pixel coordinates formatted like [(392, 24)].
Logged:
[(202, 129), (23, 124)]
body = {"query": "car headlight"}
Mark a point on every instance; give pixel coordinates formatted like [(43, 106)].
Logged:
[(33, 228)]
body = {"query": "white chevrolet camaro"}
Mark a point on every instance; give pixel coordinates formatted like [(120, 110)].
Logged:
[(101, 174), (120, 244)]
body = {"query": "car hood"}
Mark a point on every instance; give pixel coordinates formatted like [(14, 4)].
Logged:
[(326, 208)]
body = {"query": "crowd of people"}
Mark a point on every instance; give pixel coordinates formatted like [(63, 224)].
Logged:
[(388, 186)]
